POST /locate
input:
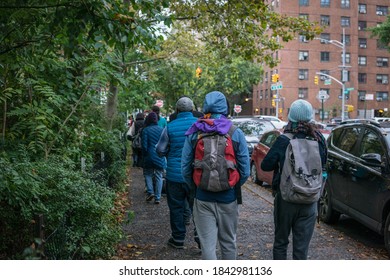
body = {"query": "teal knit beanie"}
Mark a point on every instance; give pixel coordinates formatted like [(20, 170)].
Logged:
[(300, 111)]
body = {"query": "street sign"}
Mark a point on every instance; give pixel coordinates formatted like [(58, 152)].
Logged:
[(237, 108), (350, 89), (322, 95), (328, 82), (276, 86)]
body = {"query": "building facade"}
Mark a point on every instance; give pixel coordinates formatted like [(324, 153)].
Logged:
[(317, 70)]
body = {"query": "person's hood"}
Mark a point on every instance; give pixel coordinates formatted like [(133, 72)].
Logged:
[(215, 103)]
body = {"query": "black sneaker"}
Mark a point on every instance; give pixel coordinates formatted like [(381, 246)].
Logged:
[(157, 202), (175, 244), (149, 197)]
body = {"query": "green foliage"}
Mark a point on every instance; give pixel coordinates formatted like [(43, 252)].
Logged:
[(382, 31), (54, 189)]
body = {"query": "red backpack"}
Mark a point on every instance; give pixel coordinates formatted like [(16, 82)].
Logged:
[(215, 165)]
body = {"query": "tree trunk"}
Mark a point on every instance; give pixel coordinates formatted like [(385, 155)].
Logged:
[(111, 107)]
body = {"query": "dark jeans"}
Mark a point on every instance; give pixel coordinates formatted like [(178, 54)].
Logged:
[(298, 218), (177, 197)]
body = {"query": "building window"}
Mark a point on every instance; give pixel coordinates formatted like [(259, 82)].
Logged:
[(325, 56), (266, 77), (261, 94), (304, 16), (363, 43), (345, 4), (382, 61), (303, 93), (266, 94), (325, 20), (362, 9), (362, 78), (382, 10), (303, 74), (382, 79), (362, 25), (303, 55), (303, 2), (382, 96), (325, 38), (347, 39), (325, 3), (323, 78), (347, 58), (362, 95), (345, 21), (380, 45), (362, 60), (303, 39)]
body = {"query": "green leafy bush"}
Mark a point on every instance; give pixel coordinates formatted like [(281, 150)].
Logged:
[(69, 199)]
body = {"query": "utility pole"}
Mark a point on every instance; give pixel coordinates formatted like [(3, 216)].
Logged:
[(344, 72)]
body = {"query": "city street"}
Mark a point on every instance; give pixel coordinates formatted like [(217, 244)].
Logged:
[(148, 231)]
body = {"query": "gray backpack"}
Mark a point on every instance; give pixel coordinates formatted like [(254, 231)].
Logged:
[(301, 178)]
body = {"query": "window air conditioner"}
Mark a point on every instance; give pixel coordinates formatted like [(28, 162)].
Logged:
[(301, 77), (379, 13), (362, 11), (385, 82), (363, 46), (362, 98), (379, 99), (323, 78)]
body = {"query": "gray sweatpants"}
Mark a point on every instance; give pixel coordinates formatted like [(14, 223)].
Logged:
[(216, 222)]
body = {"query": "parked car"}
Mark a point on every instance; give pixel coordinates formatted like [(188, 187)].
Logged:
[(278, 123), (358, 181), (381, 119), (259, 152), (253, 129)]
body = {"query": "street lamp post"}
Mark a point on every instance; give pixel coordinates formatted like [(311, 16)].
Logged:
[(344, 73)]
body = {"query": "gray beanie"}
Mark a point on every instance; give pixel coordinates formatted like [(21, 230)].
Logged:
[(300, 111), (184, 104)]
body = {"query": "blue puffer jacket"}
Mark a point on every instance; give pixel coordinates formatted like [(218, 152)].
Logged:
[(176, 132), (150, 136)]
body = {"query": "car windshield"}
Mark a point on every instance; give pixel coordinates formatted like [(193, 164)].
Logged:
[(253, 127)]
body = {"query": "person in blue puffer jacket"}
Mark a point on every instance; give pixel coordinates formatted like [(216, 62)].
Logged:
[(178, 192), (216, 213), (153, 164)]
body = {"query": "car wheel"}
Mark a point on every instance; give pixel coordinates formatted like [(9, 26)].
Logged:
[(254, 175), (326, 212), (386, 233)]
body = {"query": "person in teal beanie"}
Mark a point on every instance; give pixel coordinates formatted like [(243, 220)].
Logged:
[(293, 217)]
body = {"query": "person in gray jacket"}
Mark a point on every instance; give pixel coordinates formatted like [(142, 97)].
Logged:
[(216, 213), (178, 193)]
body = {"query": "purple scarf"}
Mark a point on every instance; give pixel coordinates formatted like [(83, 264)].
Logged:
[(207, 125)]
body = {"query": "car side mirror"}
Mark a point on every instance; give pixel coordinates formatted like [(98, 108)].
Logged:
[(373, 159)]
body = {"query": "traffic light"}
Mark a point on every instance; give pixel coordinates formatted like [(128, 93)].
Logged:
[(275, 78), (273, 103), (316, 79), (349, 108), (198, 72)]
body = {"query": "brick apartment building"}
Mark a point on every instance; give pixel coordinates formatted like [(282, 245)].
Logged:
[(366, 62)]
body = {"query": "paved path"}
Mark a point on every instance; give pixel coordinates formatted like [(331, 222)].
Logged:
[(148, 232)]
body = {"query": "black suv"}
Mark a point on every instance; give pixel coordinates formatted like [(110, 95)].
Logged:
[(358, 181)]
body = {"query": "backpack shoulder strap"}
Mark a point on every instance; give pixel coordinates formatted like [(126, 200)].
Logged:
[(289, 135), (232, 129)]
